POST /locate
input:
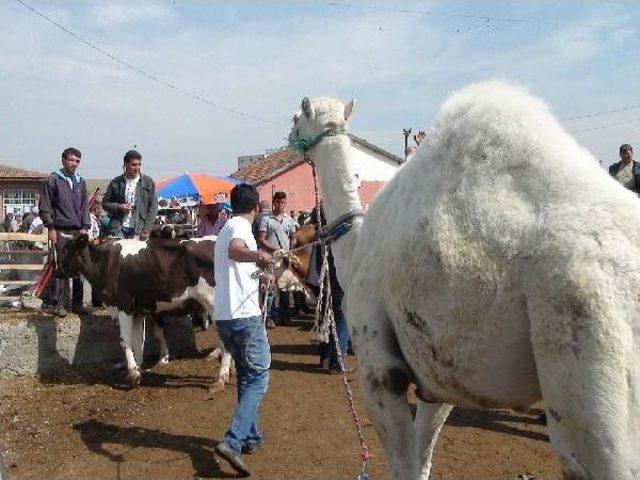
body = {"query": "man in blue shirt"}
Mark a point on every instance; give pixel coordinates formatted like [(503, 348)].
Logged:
[(64, 210)]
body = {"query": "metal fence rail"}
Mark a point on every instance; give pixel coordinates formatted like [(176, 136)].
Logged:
[(13, 249)]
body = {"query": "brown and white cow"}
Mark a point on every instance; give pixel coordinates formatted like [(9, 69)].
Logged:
[(139, 278)]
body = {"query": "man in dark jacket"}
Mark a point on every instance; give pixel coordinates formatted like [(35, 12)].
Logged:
[(131, 201), (64, 210), (626, 171)]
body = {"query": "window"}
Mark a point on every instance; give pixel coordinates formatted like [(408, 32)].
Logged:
[(19, 201)]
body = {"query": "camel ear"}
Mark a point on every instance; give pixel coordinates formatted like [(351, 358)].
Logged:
[(307, 108), (348, 109)]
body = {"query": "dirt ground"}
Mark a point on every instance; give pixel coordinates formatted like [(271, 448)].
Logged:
[(86, 426)]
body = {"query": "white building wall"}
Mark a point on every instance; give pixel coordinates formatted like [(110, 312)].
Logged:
[(372, 166)]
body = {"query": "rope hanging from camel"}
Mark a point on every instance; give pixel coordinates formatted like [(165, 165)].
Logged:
[(325, 284)]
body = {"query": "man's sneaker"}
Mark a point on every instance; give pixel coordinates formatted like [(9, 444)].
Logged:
[(234, 459), (60, 311), (250, 448)]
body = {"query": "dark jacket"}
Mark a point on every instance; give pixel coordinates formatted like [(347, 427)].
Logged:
[(63, 208), (146, 208), (615, 168)]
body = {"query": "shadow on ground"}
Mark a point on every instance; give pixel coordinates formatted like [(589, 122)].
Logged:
[(497, 421), (96, 435)]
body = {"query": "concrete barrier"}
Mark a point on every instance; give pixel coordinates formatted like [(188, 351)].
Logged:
[(40, 343)]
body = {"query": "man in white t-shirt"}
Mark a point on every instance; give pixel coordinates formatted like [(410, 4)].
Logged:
[(239, 322)]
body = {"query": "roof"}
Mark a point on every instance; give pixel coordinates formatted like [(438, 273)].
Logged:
[(375, 148), (7, 171), (269, 167), (274, 164)]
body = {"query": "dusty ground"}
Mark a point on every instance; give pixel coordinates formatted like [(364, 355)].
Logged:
[(86, 427)]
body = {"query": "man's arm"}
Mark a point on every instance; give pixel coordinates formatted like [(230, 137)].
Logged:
[(46, 210), (109, 201), (44, 205), (239, 252), (262, 241), (84, 208), (293, 242), (262, 235), (152, 213)]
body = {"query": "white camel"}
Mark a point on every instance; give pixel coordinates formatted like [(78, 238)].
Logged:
[(500, 266)]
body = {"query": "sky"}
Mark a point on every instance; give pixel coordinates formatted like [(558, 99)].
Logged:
[(210, 80)]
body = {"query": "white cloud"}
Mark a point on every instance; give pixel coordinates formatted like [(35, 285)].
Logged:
[(110, 13), (57, 91)]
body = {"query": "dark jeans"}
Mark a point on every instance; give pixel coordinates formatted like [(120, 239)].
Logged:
[(328, 349), (282, 310), (246, 340), (59, 292)]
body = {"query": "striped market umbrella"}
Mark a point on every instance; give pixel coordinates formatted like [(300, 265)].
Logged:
[(196, 187)]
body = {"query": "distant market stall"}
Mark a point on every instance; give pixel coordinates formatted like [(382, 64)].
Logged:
[(190, 189)]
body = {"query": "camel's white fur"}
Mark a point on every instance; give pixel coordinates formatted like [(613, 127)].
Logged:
[(501, 265)]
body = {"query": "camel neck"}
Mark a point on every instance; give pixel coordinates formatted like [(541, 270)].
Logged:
[(337, 181), (336, 177)]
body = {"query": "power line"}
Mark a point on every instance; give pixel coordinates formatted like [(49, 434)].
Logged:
[(423, 12), (144, 73), (596, 114), (600, 127)]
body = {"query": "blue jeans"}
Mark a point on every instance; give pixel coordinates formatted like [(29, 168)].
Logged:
[(246, 340), (328, 350)]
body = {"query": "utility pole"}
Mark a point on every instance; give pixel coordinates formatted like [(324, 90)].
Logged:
[(406, 132)]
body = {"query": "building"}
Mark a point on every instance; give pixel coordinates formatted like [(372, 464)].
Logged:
[(245, 160), (19, 189), (288, 171)]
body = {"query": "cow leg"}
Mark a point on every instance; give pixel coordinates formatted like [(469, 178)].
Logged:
[(138, 334), (126, 338), (158, 331), (226, 367)]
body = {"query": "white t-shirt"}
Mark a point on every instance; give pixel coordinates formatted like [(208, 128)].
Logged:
[(130, 198), (236, 291)]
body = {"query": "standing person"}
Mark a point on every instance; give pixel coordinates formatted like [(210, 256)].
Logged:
[(206, 220), (626, 171), (224, 213), (36, 226), (328, 354), (264, 210), (239, 323), (15, 224), (276, 232), (64, 210), (131, 201), (8, 219)]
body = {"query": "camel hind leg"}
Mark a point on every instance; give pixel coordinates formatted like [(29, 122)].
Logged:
[(385, 380), (430, 418), (589, 372)]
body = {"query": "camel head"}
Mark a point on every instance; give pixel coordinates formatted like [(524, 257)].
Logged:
[(315, 118)]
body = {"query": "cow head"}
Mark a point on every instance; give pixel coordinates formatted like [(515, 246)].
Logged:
[(70, 261)]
